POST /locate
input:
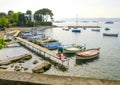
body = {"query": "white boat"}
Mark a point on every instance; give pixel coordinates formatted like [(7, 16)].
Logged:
[(72, 48), (88, 54), (66, 28)]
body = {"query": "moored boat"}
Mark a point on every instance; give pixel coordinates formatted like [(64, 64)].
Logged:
[(88, 54), (72, 48), (107, 28), (97, 30), (109, 22), (111, 34), (52, 45), (76, 30)]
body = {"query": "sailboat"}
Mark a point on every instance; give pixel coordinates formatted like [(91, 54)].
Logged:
[(75, 29)]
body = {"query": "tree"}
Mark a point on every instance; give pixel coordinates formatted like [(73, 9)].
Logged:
[(10, 12), (21, 19), (44, 13), (2, 14), (28, 14), (4, 21)]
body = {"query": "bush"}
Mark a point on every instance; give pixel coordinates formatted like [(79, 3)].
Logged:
[(2, 43)]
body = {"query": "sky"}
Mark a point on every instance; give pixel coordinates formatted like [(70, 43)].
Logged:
[(66, 8)]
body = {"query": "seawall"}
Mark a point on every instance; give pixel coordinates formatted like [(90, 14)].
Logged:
[(21, 78)]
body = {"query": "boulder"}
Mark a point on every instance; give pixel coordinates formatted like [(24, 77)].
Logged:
[(42, 67)]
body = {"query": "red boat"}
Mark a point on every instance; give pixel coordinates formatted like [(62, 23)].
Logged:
[(88, 54)]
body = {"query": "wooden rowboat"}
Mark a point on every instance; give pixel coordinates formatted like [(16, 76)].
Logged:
[(88, 54)]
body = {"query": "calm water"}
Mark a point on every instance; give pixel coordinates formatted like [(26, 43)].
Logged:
[(105, 67)]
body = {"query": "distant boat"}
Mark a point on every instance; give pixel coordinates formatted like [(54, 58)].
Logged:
[(97, 30), (107, 28), (59, 21), (111, 34), (109, 22), (88, 54), (76, 30), (66, 28), (85, 21)]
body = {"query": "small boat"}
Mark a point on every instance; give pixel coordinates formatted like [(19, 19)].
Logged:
[(88, 54), (65, 28), (26, 34), (107, 28), (111, 34), (97, 30), (109, 22), (52, 45), (76, 30), (72, 48)]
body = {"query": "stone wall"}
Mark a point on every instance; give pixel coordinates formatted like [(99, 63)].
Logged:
[(22, 78)]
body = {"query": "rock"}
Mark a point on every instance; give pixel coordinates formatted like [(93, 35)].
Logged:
[(35, 62), (15, 59), (12, 65), (3, 67), (17, 68), (42, 67), (25, 68)]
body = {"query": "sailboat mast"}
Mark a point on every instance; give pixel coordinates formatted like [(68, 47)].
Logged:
[(76, 20)]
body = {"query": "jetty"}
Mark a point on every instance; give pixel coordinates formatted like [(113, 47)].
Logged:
[(84, 27), (43, 51), (48, 54)]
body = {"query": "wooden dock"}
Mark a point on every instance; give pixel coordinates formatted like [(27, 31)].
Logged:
[(44, 51), (17, 33), (83, 27)]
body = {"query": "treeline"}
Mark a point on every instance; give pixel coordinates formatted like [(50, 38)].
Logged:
[(40, 17)]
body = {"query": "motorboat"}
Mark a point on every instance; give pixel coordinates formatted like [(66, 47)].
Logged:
[(73, 48), (111, 34)]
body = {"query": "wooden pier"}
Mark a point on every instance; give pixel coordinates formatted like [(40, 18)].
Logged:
[(44, 51), (83, 27)]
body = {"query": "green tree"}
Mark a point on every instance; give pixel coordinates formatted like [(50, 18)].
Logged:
[(4, 21), (44, 13), (29, 13), (21, 19), (2, 43), (10, 12), (2, 14)]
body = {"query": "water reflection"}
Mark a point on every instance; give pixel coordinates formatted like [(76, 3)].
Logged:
[(80, 62)]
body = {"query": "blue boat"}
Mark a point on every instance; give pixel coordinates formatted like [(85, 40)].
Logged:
[(52, 46), (76, 30)]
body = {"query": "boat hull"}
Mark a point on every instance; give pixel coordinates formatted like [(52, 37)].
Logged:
[(107, 34), (88, 54), (87, 58)]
